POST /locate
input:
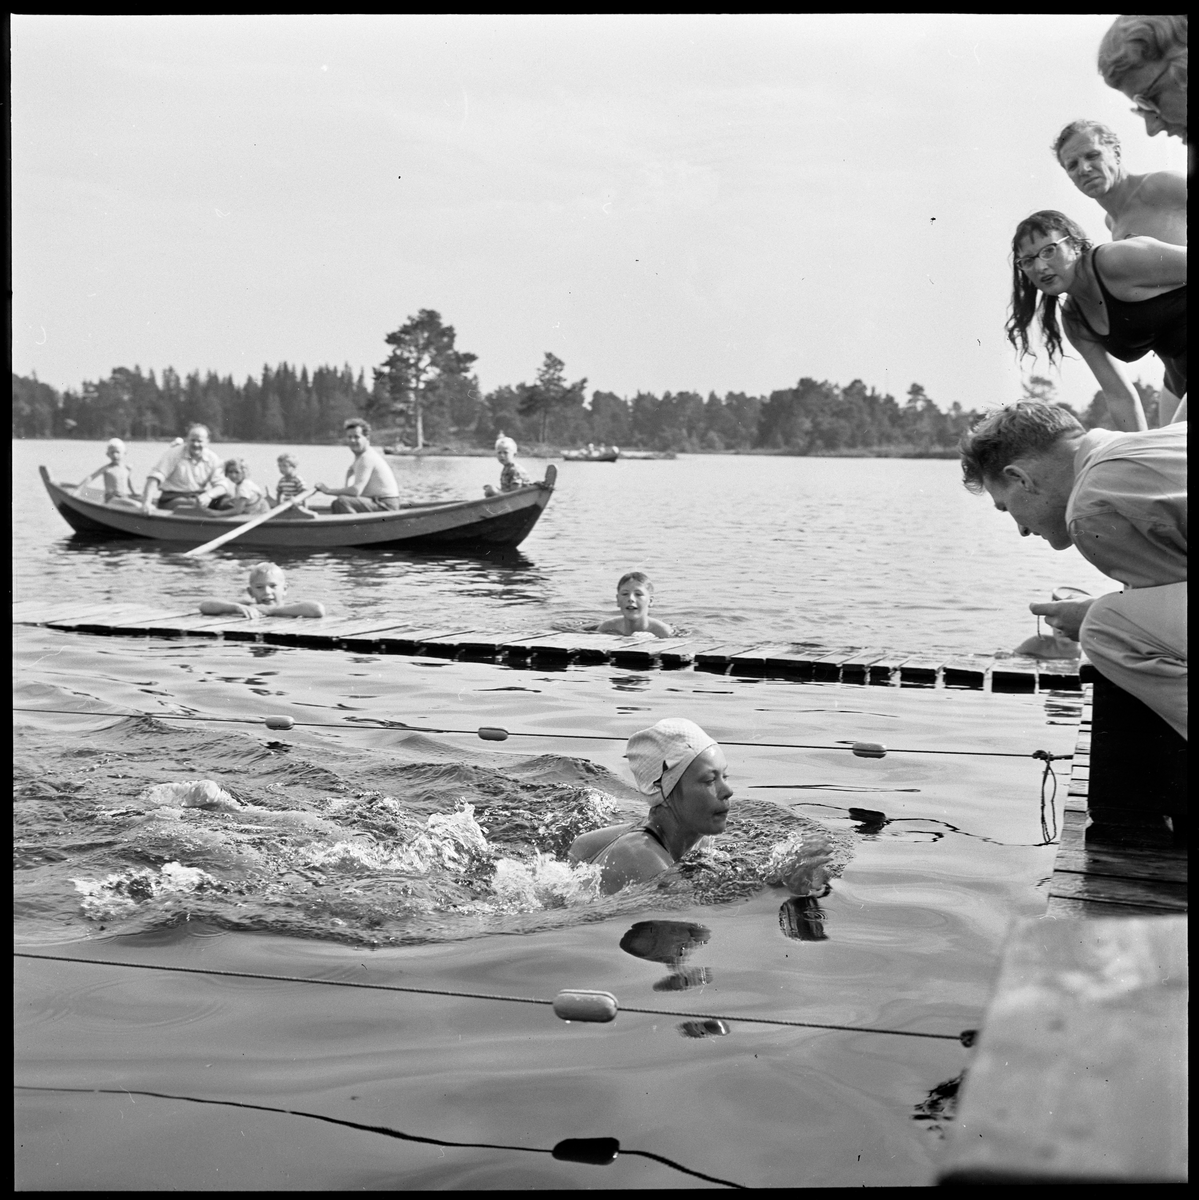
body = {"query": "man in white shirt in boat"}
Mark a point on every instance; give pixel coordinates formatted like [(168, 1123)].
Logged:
[(370, 485), (189, 475), (1121, 500)]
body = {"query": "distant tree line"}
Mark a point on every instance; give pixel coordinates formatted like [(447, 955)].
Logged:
[(423, 392)]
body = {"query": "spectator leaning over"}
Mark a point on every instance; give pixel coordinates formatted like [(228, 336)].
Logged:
[(1121, 500), (1118, 301), (1145, 57), (190, 475), (1149, 205)]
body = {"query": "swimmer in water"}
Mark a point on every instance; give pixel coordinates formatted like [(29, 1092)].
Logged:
[(634, 598), (266, 596), (682, 770)]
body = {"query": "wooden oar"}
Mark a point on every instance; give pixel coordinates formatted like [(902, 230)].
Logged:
[(260, 520)]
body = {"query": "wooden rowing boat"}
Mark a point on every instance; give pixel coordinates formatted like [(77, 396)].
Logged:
[(597, 456), (500, 521)]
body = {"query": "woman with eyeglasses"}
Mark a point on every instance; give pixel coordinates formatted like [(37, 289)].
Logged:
[(1119, 302)]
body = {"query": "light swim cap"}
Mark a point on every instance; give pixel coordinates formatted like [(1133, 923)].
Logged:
[(505, 443), (115, 444), (659, 755)]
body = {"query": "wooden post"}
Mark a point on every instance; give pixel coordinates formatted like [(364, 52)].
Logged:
[(1138, 769)]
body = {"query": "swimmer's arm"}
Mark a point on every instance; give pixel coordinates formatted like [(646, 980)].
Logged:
[(660, 628), (632, 863), (297, 608), (221, 608)]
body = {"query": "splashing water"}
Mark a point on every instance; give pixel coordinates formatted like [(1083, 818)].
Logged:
[(419, 843)]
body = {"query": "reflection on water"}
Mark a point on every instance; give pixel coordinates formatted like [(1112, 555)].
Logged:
[(802, 919), (669, 943)]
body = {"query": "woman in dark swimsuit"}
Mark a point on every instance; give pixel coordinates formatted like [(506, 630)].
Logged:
[(682, 772), (1125, 299)]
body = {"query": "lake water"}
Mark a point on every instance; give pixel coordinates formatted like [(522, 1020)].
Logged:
[(352, 839), (880, 552)]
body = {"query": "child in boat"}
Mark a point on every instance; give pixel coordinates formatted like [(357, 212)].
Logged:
[(512, 476), (290, 483), (634, 598), (118, 478), (243, 497), (265, 597)]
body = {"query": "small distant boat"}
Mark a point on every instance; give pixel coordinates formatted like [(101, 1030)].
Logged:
[(500, 521), (590, 454)]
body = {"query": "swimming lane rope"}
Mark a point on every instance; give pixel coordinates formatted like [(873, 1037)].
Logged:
[(966, 1037), (495, 733), (595, 1151)]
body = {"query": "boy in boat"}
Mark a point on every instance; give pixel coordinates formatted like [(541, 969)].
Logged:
[(118, 478), (243, 497), (265, 596), (512, 476), (634, 598), (290, 483)]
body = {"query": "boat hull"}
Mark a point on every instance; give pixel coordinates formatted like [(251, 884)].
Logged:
[(496, 522)]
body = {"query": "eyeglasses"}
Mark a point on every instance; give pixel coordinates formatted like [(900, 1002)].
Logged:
[(1141, 100), (1044, 254)]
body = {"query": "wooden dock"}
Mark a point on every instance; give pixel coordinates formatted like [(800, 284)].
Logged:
[(548, 647), (1080, 1075)]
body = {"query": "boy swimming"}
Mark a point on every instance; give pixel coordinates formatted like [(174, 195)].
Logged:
[(265, 597), (634, 598), (512, 476)]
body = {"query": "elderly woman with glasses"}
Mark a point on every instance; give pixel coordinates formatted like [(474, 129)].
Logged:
[(1118, 302), (1145, 57)]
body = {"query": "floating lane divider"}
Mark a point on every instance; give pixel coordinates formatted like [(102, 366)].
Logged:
[(494, 733), (570, 1005), (798, 661), (593, 1151)]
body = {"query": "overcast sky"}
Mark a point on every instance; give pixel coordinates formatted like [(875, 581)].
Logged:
[(665, 202)]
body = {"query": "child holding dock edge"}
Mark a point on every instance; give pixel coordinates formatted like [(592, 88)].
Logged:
[(265, 595), (634, 598)]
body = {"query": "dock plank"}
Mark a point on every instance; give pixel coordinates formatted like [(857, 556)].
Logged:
[(1014, 675), (1124, 863), (1080, 1071), (756, 660), (645, 653), (1061, 674), (1166, 895), (966, 670), (921, 670), (886, 669), (856, 668)]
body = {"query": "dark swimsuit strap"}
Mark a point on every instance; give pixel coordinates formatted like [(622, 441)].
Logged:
[(655, 835), (1075, 309)]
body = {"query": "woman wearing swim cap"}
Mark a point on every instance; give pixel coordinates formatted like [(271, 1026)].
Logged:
[(682, 770)]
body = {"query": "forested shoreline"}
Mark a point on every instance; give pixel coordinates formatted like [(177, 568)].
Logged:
[(424, 394)]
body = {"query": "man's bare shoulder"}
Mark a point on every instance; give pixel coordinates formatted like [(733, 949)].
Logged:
[(1164, 188)]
